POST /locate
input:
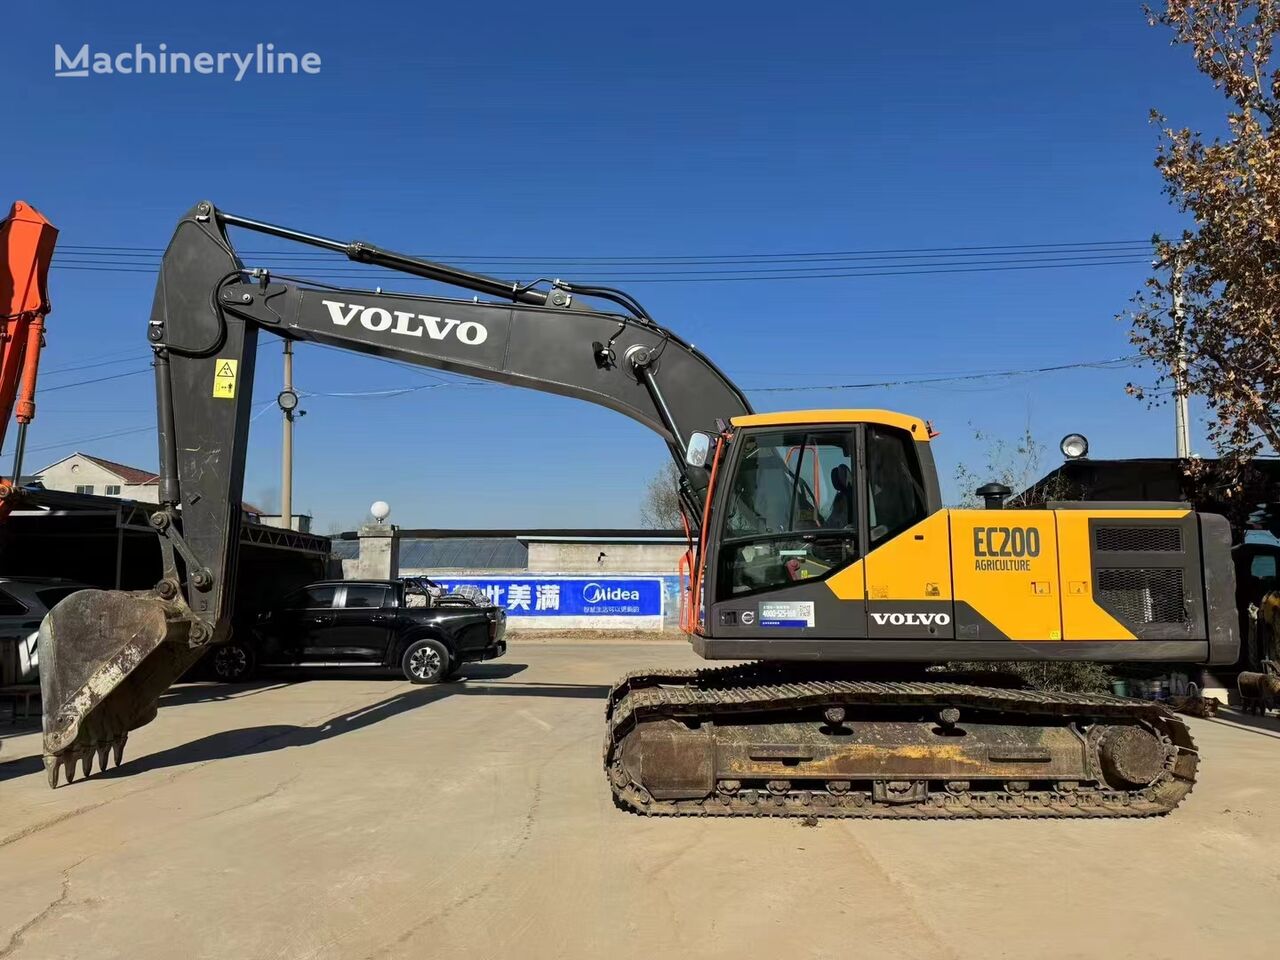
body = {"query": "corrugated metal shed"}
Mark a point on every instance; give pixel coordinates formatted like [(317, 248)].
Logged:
[(463, 553), (428, 549), (450, 553)]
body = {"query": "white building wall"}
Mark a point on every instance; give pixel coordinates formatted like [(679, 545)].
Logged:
[(78, 471), (576, 556)]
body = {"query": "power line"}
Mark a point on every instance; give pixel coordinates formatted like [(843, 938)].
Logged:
[(400, 391), (1038, 256), (99, 436), (682, 268), (391, 392), (124, 432), (81, 383), (739, 277), (119, 358), (906, 381), (917, 381), (968, 249)]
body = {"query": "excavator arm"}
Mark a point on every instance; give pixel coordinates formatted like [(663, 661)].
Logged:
[(26, 249), (106, 656)]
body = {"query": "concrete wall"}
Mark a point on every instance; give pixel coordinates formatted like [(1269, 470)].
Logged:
[(379, 554), (584, 557)]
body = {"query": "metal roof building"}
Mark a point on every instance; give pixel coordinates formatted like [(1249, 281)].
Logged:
[(560, 550)]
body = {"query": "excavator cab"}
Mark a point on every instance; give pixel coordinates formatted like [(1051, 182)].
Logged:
[(880, 571)]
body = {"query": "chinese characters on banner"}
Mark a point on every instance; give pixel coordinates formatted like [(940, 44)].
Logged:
[(568, 596)]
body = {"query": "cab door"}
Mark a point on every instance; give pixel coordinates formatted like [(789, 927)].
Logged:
[(786, 560), (296, 628), (360, 624), (908, 561)]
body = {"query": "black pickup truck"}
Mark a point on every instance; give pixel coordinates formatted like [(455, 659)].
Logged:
[(409, 624)]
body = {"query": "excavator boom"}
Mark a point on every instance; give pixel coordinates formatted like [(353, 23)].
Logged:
[(107, 656)]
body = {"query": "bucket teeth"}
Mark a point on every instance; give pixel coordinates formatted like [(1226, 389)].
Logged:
[(63, 766)]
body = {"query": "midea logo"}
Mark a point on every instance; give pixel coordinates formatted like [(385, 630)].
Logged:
[(596, 593), (911, 619), (405, 323)]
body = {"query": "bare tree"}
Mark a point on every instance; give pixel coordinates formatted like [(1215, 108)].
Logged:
[(1018, 463), (1213, 304), (660, 508)]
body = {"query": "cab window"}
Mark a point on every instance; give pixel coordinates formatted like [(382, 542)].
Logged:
[(792, 513), (895, 494), (365, 595), (320, 595)]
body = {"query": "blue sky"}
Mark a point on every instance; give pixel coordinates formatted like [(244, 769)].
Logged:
[(615, 130)]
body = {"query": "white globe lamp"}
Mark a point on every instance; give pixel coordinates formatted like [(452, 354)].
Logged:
[(380, 510)]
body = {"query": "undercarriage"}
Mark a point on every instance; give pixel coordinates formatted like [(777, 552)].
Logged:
[(787, 740)]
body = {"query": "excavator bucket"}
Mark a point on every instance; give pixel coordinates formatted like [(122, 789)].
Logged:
[(105, 658)]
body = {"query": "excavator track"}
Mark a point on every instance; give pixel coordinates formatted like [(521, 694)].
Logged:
[(771, 739)]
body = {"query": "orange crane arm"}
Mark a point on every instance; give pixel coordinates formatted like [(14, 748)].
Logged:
[(26, 250)]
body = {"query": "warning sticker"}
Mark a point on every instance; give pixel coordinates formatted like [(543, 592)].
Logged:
[(224, 379), (792, 614)]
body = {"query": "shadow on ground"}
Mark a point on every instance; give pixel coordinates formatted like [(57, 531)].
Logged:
[(1267, 726), (9, 769), (487, 680), (269, 738)]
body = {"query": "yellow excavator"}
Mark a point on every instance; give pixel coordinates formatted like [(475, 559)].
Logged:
[(820, 554)]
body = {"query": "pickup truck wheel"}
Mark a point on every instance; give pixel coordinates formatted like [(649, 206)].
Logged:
[(425, 661), (232, 663)]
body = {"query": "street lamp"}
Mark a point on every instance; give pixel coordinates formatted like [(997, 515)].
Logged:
[(1074, 446)]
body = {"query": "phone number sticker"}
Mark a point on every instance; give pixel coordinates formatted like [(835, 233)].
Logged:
[(794, 614)]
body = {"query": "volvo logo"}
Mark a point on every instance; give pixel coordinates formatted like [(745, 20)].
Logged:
[(407, 324), (912, 619), (598, 593)]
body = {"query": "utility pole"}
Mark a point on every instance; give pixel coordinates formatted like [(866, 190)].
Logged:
[(1182, 422), (288, 403)]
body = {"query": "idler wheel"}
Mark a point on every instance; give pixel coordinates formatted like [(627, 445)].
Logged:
[(1131, 754)]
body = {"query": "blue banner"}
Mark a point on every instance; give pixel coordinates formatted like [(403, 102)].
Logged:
[(569, 596)]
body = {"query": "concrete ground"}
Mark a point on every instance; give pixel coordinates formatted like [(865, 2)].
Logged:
[(364, 817)]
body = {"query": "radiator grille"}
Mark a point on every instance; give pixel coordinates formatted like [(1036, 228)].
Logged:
[(1139, 539), (1141, 595)]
